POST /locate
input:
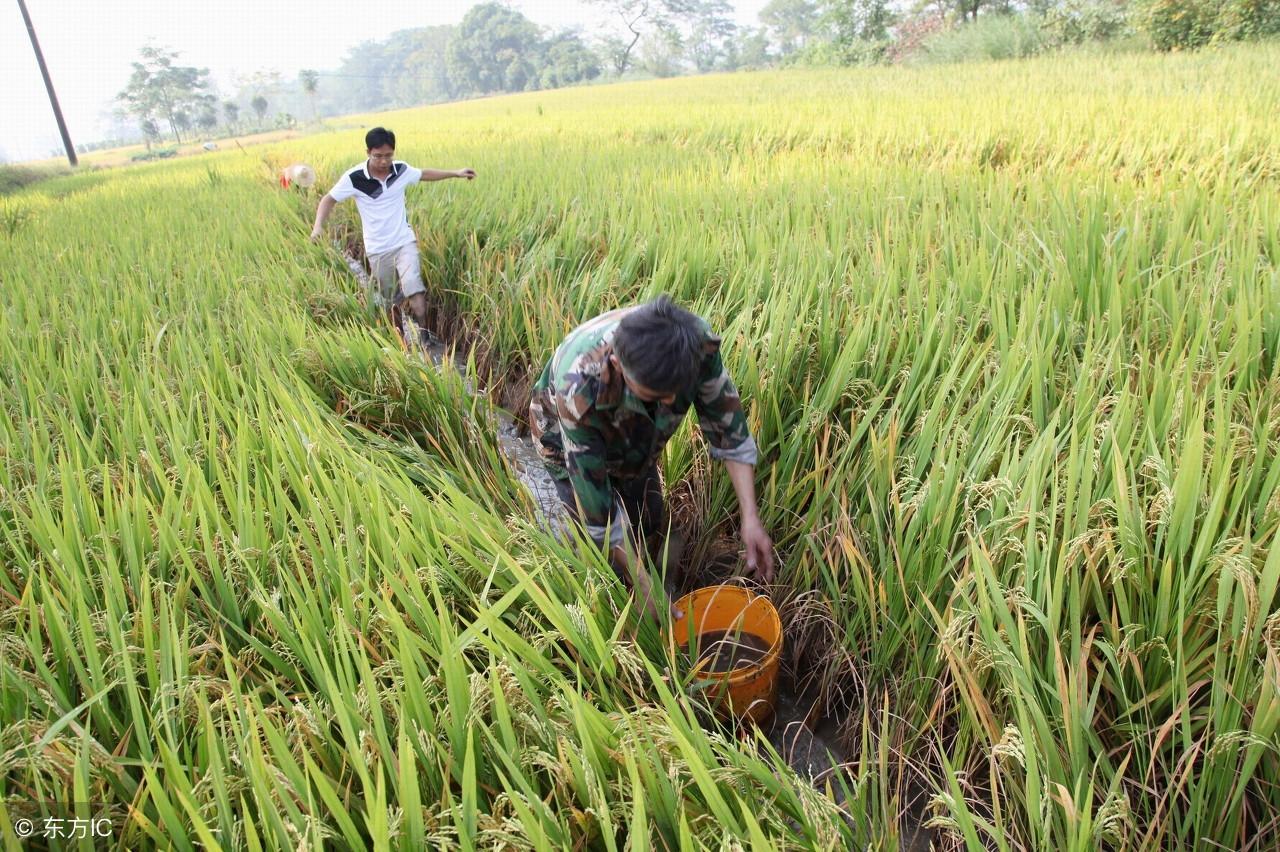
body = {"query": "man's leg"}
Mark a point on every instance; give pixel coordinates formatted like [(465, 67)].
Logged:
[(646, 505), (382, 285), (646, 510), (565, 492), (643, 500), (409, 265)]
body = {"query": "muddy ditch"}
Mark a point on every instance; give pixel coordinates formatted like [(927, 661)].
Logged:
[(804, 734)]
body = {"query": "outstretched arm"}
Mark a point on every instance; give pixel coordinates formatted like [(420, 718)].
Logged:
[(724, 425), (439, 174), (755, 539)]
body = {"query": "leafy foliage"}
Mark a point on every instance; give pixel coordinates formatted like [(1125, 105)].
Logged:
[(1180, 24), (160, 90), (496, 49), (1080, 21), (567, 60), (990, 37)]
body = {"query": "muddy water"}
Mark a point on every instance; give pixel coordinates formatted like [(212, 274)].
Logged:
[(725, 650), (533, 474), (520, 452)]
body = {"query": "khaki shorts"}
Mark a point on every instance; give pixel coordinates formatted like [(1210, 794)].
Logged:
[(385, 267)]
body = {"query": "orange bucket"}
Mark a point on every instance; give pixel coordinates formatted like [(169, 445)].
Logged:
[(750, 690)]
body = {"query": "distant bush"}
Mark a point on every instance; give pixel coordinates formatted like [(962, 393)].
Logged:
[(989, 37), (14, 178), (1176, 24), (858, 52), (1186, 24), (1249, 19), (154, 154), (81, 180), (912, 35), (1082, 21)]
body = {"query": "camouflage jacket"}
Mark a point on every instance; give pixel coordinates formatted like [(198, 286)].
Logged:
[(590, 428)]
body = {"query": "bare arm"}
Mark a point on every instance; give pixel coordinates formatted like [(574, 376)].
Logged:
[(441, 174), (724, 425), (758, 545), (322, 215)]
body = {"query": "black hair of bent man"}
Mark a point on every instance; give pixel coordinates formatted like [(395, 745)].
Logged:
[(377, 137), (660, 345)]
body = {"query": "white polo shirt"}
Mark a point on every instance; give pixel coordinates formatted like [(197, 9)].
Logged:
[(381, 204)]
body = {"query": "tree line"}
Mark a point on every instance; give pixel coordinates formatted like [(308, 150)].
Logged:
[(496, 49)]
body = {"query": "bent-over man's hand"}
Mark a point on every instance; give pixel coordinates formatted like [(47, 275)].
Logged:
[(642, 584), (644, 594), (469, 174), (759, 551)]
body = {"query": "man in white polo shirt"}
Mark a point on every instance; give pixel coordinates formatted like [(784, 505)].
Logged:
[(378, 186)]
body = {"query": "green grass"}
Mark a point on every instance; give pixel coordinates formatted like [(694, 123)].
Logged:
[(1008, 336), (16, 177)]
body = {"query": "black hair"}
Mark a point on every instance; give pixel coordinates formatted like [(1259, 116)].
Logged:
[(377, 137), (660, 345)]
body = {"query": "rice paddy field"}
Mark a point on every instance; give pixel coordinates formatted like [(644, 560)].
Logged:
[(1007, 335)]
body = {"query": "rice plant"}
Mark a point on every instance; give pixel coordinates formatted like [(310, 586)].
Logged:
[(1008, 338)]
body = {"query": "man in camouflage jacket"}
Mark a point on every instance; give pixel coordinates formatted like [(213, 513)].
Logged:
[(606, 404)]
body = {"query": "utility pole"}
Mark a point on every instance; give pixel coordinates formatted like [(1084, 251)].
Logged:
[(48, 84)]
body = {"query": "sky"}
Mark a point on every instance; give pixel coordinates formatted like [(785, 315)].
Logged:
[(88, 46)]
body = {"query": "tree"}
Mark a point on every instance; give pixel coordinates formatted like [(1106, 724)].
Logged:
[(423, 75), (158, 90), (231, 112), (264, 85), (1181, 24), (711, 33), (750, 49), (567, 60), (639, 17), (791, 24), (208, 119), (661, 51), (310, 81), (150, 131), (496, 49), (863, 20), (964, 10), (1246, 19), (1079, 21), (409, 67), (262, 82)]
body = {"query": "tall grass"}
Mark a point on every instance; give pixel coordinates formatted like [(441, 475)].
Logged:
[(1008, 336), (15, 177), (1013, 36)]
